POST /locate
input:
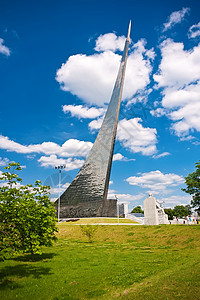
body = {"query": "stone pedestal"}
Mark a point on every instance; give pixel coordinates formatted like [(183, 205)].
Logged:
[(150, 211), (89, 209)]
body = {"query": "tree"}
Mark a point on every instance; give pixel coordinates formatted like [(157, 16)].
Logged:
[(137, 209), (169, 212), (192, 182), (182, 211), (27, 217), (89, 231)]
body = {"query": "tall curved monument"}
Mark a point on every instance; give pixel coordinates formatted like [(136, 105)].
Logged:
[(86, 196)]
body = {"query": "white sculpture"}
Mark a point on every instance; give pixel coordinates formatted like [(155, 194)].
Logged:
[(153, 213)]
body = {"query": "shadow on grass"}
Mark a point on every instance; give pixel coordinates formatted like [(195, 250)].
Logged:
[(10, 274), (37, 257)]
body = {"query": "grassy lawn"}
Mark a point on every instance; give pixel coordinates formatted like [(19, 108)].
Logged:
[(101, 220), (123, 262)]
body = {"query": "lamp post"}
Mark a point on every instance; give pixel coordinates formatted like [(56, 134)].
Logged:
[(117, 210), (59, 182)]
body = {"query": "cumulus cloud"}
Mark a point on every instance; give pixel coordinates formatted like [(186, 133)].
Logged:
[(175, 18), (179, 76), (110, 41), (171, 201), (156, 180), (92, 77), (133, 136), (53, 160), (3, 161), (3, 49), (137, 138), (85, 112), (178, 66), (70, 148), (95, 124), (194, 31)]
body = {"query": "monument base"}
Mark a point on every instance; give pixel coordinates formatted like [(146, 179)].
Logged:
[(104, 208)]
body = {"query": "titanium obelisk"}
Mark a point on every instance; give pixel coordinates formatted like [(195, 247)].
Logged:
[(86, 196)]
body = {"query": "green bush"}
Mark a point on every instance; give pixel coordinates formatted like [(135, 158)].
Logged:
[(89, 231)]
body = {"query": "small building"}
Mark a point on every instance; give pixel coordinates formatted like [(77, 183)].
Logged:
[(123, 209)]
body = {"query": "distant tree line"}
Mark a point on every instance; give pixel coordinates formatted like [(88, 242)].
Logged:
[(179, 211), (137, 209)]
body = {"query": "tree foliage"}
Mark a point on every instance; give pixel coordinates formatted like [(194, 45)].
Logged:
[(192, 182), (89, 231), (178, 211), (182, 211), (169, 212), (137, 209), (27, 217)]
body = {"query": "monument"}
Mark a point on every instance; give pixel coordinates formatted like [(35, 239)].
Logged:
[(154, 214), (86, 196)]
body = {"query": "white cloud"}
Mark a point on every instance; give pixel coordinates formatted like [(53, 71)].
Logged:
[(118, 156), (137, 138), (110, 41), (178, 66), (194, 31), (179, 75), (125, 197), (156, 180), (53, 160), (159, 112), (71, 147), (187, 138), (85, 112), (66, 185), (3, 49), (17, 184), (92, 77), (56, 190), (140, 98), (175, 18), (3, 161), (161, 155), (174, 200), (95, 124)]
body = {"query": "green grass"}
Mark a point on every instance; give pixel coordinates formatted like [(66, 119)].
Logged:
[(100, 221), (123, 262)]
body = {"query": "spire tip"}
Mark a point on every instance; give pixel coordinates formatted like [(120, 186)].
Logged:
[(129, 31)]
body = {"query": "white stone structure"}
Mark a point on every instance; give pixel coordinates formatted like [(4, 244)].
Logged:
[(123, 209), (153, 213), (162, 216)]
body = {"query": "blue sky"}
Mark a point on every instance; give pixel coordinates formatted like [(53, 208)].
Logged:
[(58, 64)]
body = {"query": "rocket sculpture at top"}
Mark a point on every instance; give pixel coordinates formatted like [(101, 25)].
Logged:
[(86, 196)]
